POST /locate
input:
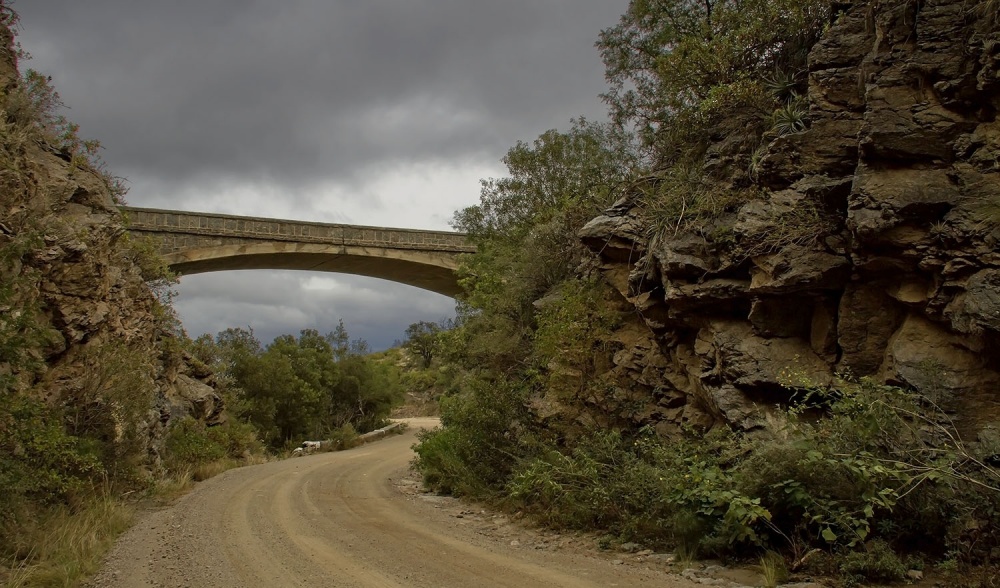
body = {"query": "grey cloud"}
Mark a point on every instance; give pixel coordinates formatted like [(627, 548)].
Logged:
[(291, 90), (262, 107)]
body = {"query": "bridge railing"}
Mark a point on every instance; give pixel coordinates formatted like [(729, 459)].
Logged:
[(223, 225)]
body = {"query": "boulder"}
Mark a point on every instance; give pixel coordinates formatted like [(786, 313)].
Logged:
[(189, 397), (977, 308)]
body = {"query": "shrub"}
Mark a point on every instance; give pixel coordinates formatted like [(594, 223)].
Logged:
[(877, 562), (190, 443), (642, 489), (485, 433), (344, 437), (884, 468)]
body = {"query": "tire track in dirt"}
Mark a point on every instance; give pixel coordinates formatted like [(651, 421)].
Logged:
[(338, 519)]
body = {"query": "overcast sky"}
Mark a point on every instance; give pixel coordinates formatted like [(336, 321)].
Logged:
[(374, 112)]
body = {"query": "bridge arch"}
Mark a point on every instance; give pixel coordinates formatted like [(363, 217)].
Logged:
[(192, 242)]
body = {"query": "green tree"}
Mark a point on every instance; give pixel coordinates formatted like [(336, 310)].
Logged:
[(303, 375), (301, 387), (421, 340), (678, 67), (525, 229), (573, 174)]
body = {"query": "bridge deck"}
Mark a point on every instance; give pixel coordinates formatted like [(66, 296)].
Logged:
[(245, 227)]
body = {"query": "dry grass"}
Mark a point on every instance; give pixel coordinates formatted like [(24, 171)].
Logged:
[(182, 481), (173, 486), (63, 546), (68, 546)]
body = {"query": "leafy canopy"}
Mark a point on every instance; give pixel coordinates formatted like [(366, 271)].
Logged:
[(675, 65)]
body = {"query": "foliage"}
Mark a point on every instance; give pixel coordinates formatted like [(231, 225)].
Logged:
[(62, 545), (33, 108), (706, 85), (486, 429), (801, 224), (421, 340), (641, 489), (682, 196), (525, 229), (773, 569), (789, 118), (522, 310), (21, 330), (301, 387), (574, 324), (883, 467), (876, 562), (343, 437), (190, 442), (679, 66), (143, 254), (562, 176)]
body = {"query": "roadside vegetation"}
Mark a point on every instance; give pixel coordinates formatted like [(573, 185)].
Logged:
[(858, 480), (296, 388)]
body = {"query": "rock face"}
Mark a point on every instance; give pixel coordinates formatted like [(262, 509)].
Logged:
[(894, 273), (106, 340)]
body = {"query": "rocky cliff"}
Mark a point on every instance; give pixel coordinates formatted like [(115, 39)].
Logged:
[(96, 340), (871, 251)]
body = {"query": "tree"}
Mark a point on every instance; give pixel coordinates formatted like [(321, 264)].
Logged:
[(300, 387), (421, 340), (581, 170), (679, 66)]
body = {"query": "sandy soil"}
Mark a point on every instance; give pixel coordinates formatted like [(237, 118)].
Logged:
[(352, 518)]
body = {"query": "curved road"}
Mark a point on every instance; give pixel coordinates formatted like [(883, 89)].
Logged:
[(338, 519)]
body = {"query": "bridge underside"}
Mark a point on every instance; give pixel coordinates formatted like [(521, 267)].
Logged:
[(427, 270)]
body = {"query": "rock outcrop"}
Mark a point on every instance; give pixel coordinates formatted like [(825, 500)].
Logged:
[(874, 249), (106, 342)]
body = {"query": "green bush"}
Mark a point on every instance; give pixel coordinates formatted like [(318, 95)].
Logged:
[(189, 443), (485, 433), (883, 469), (344, 437), (643, 489), (605, 482), (238, 439), (877, 562)]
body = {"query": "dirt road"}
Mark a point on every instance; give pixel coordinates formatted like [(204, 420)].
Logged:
[(352, 518)]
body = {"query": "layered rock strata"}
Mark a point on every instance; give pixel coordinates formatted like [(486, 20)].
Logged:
[(874, 250)]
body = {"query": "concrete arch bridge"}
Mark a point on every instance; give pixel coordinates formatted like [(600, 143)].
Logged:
[(197, 242)]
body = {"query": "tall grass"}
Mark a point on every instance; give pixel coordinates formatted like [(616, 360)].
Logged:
[(67, 544)]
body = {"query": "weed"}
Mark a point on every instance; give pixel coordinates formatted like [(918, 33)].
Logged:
[(204, 471), (791, 117), (783, 86), (344, 437), (773, 570), (172, 486), (801, 224), (756, 161), (681, 197)]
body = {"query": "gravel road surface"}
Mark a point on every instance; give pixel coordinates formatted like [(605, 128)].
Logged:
[(352, 518)]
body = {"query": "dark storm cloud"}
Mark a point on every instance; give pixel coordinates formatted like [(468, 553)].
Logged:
[(293, 91)]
